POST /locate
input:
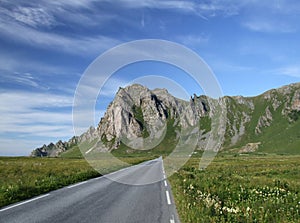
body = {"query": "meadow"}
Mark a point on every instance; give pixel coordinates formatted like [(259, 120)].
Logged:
[(24, 177), (239, 188), (233, 188)]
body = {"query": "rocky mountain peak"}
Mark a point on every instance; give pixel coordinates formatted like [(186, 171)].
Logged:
[(140, 115)]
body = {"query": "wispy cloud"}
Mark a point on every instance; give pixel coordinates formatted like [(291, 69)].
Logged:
[(34, 17), (278, 17), (227, 66), (34, 24), (75, 45), (193, 40), (292, 71), (20, 78), (203, 9), (269, 25), (20, 146), (33, 119), (10, 62), (36, 114)]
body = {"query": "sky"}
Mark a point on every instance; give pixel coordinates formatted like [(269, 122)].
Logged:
[(46, 46)]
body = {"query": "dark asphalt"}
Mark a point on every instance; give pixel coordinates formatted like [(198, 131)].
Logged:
[(103, 200)]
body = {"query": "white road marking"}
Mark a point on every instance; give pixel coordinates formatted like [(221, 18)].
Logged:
[(164, 176), (25, 202), (166, 183), (89, 150), (75, 185), (172, 219), (168, 197)]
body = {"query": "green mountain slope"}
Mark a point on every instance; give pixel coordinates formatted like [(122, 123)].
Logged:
[(268, 123)]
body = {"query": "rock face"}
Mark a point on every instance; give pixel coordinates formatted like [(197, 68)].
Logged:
[(138, 117), (264, 121), (139, 112), (250, 147), (54, 150)]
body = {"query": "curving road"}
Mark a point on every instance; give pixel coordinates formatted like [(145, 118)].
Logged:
[(103, 199)]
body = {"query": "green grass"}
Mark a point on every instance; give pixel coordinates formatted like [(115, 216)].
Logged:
[(244, 188), (73, 152), (281, 137), (166, 146), (205, 124), (139, 116), (239, 189), (234, 115), (23, 177)]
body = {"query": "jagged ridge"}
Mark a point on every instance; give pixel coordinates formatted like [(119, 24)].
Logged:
[(268, 122)]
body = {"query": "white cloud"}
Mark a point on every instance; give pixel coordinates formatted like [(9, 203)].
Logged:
[(193, 40), (36, 117), (35, 114), (30, 118), (269, 25), (33, 73), (33, 16), (202, 9), (75, 45), (21, 78), (227, 66), (292, 71), (277, 17), (23, 24), (20, 147), (10, 62)]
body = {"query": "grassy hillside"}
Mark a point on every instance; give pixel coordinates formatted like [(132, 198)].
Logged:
[(163, 149), (73, 152), (281, 137)]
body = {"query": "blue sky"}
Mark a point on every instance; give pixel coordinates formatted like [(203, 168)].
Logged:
[(45, 47)]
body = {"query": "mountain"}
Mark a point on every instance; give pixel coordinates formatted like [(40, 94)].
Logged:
[(139, 118)]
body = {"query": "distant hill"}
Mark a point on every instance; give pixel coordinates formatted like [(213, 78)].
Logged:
[(137, 117)]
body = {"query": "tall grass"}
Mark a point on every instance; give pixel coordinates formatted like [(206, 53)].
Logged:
[(23, 178), (239, 189)]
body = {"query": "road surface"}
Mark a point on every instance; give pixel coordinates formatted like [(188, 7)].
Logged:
[(103, 200)]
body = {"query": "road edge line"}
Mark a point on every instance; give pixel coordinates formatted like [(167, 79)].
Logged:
[(24, 202)]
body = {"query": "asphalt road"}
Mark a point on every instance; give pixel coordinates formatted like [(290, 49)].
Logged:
[(103, 200)]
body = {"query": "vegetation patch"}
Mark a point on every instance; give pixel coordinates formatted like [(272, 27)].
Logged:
[(23, 177), (139, 116), (239, 189), (166, 146)]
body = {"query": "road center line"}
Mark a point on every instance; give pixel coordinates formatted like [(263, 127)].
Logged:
[(172, 219), (25, 202), (168, 197), (75, 185)]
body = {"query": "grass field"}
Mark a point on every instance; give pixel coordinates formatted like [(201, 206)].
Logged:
[(24, 177), (248, 188), (243, 188)]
